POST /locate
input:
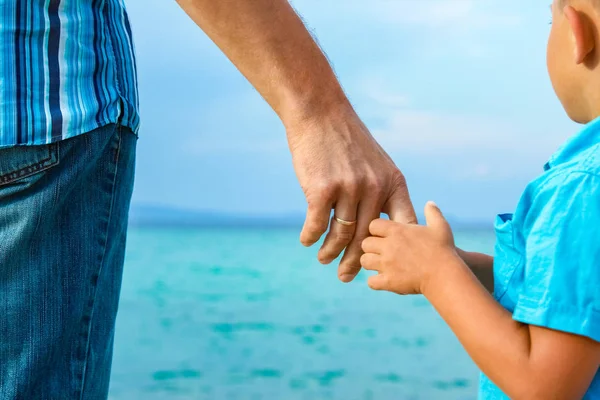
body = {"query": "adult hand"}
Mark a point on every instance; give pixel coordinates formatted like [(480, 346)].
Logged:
[(337, 161), (340, 166)]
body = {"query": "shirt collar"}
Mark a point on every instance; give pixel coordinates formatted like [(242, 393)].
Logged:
[(576, 144)]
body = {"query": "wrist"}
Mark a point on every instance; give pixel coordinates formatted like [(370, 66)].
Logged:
[(316, 106), (441, 273)]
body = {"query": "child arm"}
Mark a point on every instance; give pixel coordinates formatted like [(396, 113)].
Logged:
[(549, 346), (525, 361), (481, 265)]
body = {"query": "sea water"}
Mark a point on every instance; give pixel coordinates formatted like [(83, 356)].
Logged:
[(251, 314)]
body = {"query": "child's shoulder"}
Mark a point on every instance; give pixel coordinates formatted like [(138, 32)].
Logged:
[(570, 187), (587, 162), (578, 176)]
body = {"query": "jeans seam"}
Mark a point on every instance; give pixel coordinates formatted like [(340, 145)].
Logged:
[(28, 170), (110, 213)]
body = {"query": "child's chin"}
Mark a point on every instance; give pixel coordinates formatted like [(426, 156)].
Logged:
[(577, 115)]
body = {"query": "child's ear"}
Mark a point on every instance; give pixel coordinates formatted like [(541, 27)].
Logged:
[(582, 31)]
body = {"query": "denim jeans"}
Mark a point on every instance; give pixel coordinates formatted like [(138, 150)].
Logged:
[(63, 225)]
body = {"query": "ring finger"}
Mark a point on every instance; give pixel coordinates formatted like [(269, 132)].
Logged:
[(341, 230), (350, 263)]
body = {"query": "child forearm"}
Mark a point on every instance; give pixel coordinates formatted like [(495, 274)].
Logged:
[(525, 361), (482, 267), (499, 345)]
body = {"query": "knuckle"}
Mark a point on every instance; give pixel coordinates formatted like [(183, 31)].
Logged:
[(364, 244), (344, 235), (374, 283), (359, 238), (363, 259), (350, 266), (352, 188), (377, 188), (373, 225), (386, 259), (328, 189), (384, 281), (317, 225), (399, 180), (310, 238), (374, 185), (320, 193), (320, 226), (312, 234)]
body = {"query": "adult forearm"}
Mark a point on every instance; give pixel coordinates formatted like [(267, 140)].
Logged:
[(269, 44)]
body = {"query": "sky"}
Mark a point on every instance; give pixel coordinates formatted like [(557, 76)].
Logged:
[(456, 91)]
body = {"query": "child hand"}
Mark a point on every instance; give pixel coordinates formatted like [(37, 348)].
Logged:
[(406, 255)]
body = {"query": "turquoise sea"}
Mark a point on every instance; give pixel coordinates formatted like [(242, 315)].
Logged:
[(250, 314)]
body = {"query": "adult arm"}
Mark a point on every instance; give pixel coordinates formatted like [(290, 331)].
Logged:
[(338, 163)]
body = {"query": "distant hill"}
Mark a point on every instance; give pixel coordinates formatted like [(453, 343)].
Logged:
[(159, 216)]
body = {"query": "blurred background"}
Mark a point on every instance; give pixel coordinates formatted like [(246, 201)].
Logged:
[(220, 300)]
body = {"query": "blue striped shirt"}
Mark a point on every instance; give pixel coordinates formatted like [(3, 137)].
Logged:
[(67, 67)]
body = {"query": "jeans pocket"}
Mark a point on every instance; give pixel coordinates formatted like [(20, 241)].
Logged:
[(21, 162)]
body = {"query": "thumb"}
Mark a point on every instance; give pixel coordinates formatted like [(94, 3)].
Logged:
[(400, 209), (436, 221)]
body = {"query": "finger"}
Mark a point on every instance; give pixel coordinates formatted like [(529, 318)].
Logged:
[(398, 206), (381, 227), (339, 234), (378, 282), (372, 245), (370, 261), (350, 264), (435, 219), (317, 221)]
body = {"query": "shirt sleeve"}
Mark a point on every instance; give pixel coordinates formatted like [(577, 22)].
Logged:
[(561, 288)]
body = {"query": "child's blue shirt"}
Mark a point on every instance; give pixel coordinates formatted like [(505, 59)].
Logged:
[(547, 255)]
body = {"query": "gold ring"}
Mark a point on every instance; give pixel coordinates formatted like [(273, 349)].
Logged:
[(344, 222)]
